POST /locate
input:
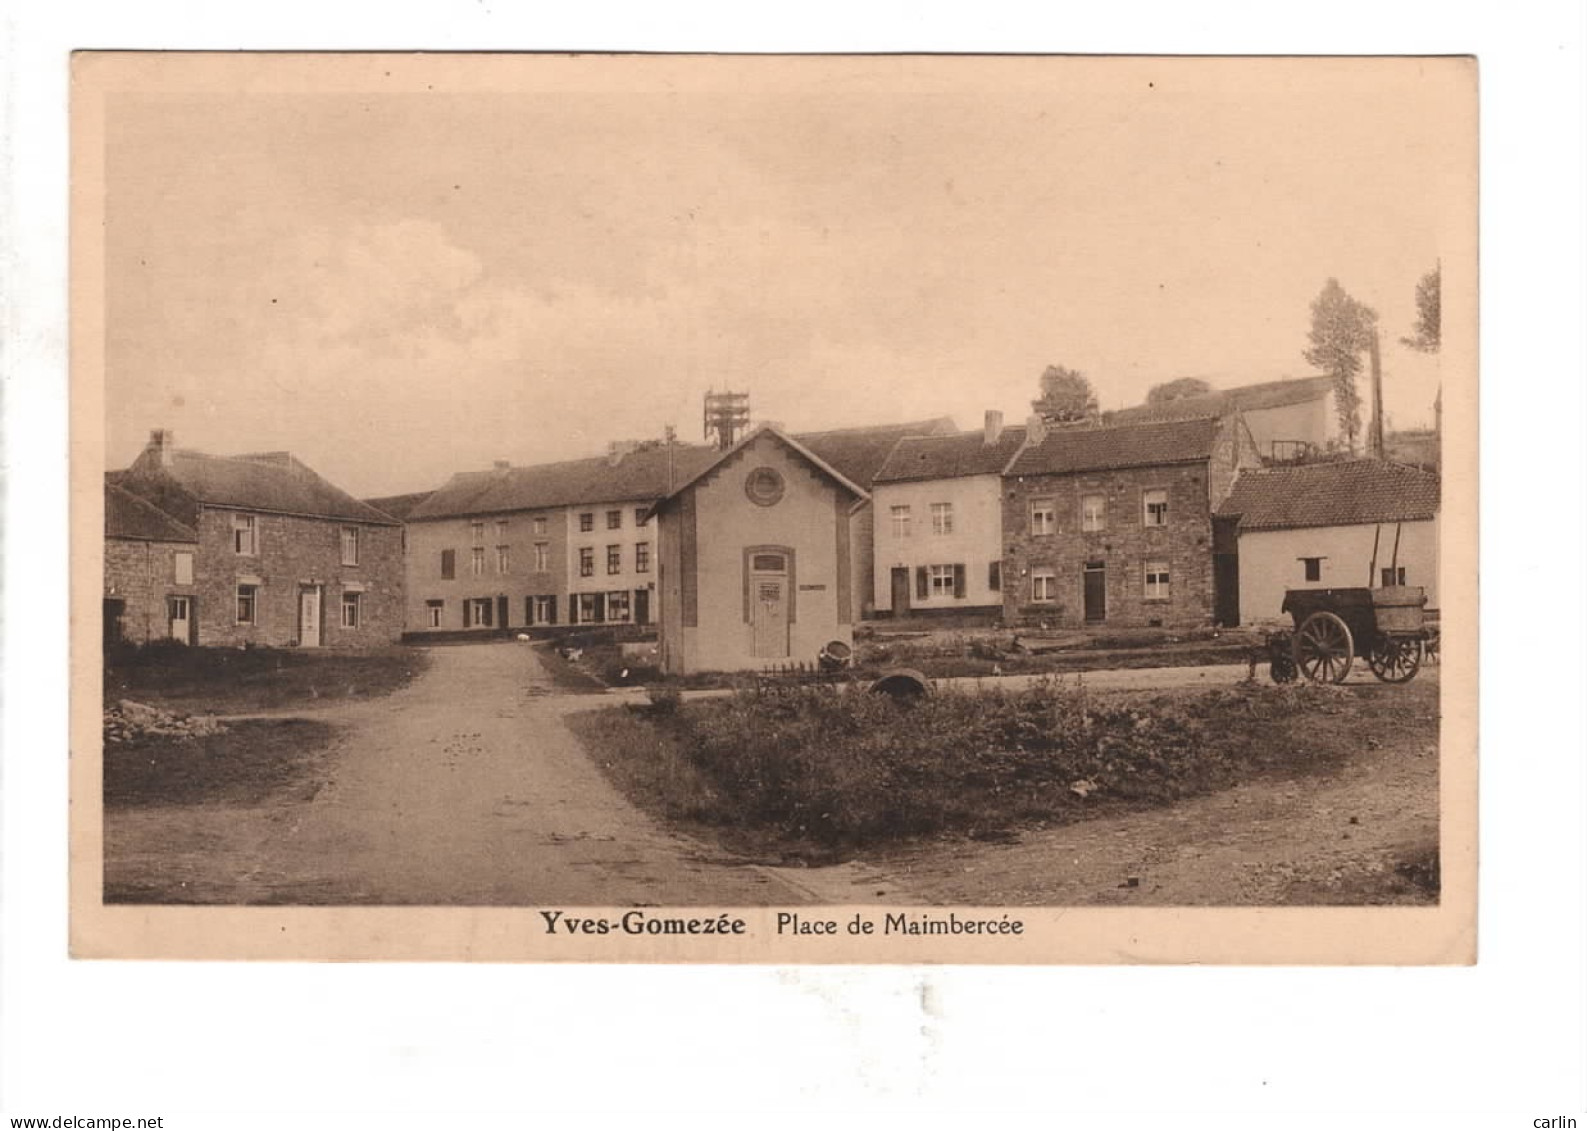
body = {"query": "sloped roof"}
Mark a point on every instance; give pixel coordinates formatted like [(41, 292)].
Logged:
[(859, 453), (127, 516), (1101, 448), (399, 506), (791, 442), (917, 458), (1346, 493), (638, 476), (267, 481), (1219, 402)]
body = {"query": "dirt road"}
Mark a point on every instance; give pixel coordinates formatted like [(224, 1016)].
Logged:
[(464, 788)]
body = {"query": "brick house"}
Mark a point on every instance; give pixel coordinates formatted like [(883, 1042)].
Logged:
[(1288, 419), (939, 535), (1329, 525), (1114, 524), (283, 557), (756, 565), (149, 577)]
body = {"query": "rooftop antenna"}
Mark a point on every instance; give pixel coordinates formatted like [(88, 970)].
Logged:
[(726, 415)]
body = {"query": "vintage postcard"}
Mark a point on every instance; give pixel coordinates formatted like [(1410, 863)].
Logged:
[(812, 509)]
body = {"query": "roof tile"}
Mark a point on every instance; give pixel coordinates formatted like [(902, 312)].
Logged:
[(1347, 493), (1093, 448)]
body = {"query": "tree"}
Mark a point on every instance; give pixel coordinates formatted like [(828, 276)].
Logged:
[(1425, 338), (1177, 390), (1066, 396), (1341, 330)]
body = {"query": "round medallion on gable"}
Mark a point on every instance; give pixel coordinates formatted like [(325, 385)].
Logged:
[(764, 486)]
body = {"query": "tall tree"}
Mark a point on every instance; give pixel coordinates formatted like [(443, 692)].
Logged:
[(1066, 396), (1177, 390), (1341, 331), (1425, 337)]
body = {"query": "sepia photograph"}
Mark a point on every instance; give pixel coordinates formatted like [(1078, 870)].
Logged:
[(858, 508)]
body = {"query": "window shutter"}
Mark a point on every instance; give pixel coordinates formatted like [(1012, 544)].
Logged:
[(958, 581), (467, 613), (922, 583), (600, 606), (553, 611), (448, 563), (573, 608), (501, 611), (994, 576), (485, 608)]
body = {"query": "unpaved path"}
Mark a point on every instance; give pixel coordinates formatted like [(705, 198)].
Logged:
[(1318, 840), (465, 788)]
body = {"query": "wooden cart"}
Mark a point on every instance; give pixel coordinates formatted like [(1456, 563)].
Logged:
[(1385, 627)]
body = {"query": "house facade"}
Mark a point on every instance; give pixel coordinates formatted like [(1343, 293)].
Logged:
[(756, 566), (1113, 525), (1289, 420), (1332, 525), (283, 557), (939, 522), (149, 583)]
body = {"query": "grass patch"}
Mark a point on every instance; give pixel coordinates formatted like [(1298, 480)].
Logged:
[(814, 772), (252, 761), (239, 680)]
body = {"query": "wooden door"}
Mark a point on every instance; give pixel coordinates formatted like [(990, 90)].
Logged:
[(769, 615), (309, 617), (900, 591), (1226, 590), (1096, 593), (180, 621), (641, 606)]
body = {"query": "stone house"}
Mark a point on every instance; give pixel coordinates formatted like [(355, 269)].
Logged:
[(756, 558), (1114, 524), (283, 557), (1289, 419), (1332, 525), (939, 534), (149, 576)]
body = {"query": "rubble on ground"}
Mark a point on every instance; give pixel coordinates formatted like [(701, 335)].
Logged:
[(128, 721)]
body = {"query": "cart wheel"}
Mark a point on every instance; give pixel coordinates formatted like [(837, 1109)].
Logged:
[(1394, 659), (1324, 649)]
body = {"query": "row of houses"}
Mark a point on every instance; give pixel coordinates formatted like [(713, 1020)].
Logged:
[(1176, 517)]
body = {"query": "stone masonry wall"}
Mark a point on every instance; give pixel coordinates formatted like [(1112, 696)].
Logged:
[(143, 575), (1124, 546), (294, 552)]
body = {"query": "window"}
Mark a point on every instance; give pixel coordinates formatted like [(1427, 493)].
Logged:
[(448, 564), (591, 607), (542, 557), (349, 545), (1392, 576), (501, 530), (244, 534), (614, 559), (614, 520), (1093, 513), (617, 605), (247, 604), (545, 610), (502, 559), (900, 522), (641, 557), (942, 581), (477, 532), (1157, 581), (1313, 567), (1043, 586), (586, 522), (476, 562), (478, 612), (350, 609), (538, 525), (639, 516), (1043, 516), (432, 613), (994, 576), (586, 561), (1156, 507), (184, 569), (942, 518)]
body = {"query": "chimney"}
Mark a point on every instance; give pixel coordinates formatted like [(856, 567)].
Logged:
[(1035, 429), (162, 445), (993, 431)]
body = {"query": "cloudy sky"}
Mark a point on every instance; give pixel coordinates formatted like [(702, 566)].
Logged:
[(400, 283)]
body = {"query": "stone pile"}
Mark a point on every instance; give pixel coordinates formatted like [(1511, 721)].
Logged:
[(128, 721)]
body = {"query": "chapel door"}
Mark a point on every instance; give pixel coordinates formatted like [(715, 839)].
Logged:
[(768, 591)]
